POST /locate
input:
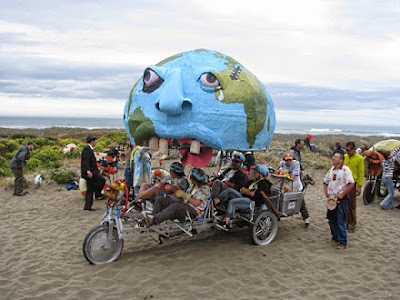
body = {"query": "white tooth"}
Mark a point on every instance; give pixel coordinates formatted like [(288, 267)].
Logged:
[(153, 143), (163, 146), (195, 147), (221, 95)]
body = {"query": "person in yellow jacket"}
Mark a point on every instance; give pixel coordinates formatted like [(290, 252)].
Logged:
[(356, 164)]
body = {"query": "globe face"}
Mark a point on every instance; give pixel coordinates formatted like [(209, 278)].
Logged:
[(201, 95)]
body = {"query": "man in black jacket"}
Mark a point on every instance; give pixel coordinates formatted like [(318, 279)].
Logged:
[(231, 180), (90, 172), (17, 165)]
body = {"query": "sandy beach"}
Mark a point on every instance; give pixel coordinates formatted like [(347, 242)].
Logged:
[(41, 255)]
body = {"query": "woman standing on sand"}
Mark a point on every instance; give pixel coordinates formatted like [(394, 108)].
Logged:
[(387, 176)]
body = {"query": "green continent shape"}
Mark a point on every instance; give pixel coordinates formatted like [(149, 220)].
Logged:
[(168, 59), (249, 91), (230, 62), (140, 127)]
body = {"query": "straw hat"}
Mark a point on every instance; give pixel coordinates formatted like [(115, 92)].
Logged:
[(331, 203)]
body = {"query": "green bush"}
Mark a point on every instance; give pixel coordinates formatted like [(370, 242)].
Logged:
[(118, 137), (62, 175), (8, 148), (4, 168), (43, 141), (47, 157)]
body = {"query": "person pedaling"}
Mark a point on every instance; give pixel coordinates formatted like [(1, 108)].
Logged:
[(192, 203), (251, 192), (168, 186)]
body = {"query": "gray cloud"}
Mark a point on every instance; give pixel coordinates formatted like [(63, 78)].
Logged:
[(302, 98)]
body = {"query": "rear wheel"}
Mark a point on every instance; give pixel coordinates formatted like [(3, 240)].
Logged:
[(265, 228), (369, 192), (98, 250)]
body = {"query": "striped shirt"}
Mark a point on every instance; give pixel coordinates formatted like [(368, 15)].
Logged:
[(388, 164)]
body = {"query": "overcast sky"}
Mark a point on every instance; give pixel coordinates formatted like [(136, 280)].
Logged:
[(326, 61)]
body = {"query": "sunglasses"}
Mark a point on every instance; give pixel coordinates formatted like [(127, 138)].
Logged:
[(236, 161), (289, 159)]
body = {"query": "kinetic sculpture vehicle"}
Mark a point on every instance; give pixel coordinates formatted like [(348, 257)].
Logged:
[(195, 101), (373, 159), (105, 242)]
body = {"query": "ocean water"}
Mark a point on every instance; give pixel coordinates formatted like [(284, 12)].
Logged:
[(117, 123)]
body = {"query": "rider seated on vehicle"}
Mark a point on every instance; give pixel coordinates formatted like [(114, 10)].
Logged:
[(252, 192), (293, 168), (168, 186), (194, 202), (230, 181)]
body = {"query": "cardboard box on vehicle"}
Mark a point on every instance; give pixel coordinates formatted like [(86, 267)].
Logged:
[(279, 181)]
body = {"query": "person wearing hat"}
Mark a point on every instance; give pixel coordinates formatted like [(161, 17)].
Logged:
[(337, 183), (194, 202), (294, 169), (168, 186), (91, 173), (251, 192), (232, 178), (17, 165)]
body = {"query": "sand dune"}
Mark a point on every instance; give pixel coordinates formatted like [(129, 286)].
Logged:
[(41, 256)]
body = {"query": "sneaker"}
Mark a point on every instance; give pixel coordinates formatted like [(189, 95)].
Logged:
[(223, 226), (307, 222), (341, 247), (147, 219)]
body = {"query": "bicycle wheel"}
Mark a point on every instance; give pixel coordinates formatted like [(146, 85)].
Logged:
[(95, 247), (368, 193), (265, 228)]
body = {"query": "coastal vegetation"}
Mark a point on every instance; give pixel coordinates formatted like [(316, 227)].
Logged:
[(49, 142)]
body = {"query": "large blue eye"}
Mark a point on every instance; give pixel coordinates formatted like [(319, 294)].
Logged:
[(209, 80)]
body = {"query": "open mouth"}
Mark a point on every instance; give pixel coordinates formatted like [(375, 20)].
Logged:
[(192, 151)]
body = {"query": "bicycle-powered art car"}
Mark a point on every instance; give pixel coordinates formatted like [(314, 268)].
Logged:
[(195, 101), (373, 160), (105, 242)]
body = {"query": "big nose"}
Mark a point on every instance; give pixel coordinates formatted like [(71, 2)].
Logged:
[(172, 101)]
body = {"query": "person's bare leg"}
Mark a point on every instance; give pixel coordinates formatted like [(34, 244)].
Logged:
[(150, 193)]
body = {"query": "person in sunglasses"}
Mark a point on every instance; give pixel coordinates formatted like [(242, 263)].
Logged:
[(293, 167), (252, 192), (228, 184)]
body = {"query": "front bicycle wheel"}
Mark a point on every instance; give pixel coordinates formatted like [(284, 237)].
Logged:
[(98, 250)]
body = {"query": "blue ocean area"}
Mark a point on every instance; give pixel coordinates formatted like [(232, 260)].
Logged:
[(21, 122)]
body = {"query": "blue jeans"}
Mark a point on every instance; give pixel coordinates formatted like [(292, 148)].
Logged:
[(128, 178), (240, 203), (387, 203), (229, 194), (338, 225)]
